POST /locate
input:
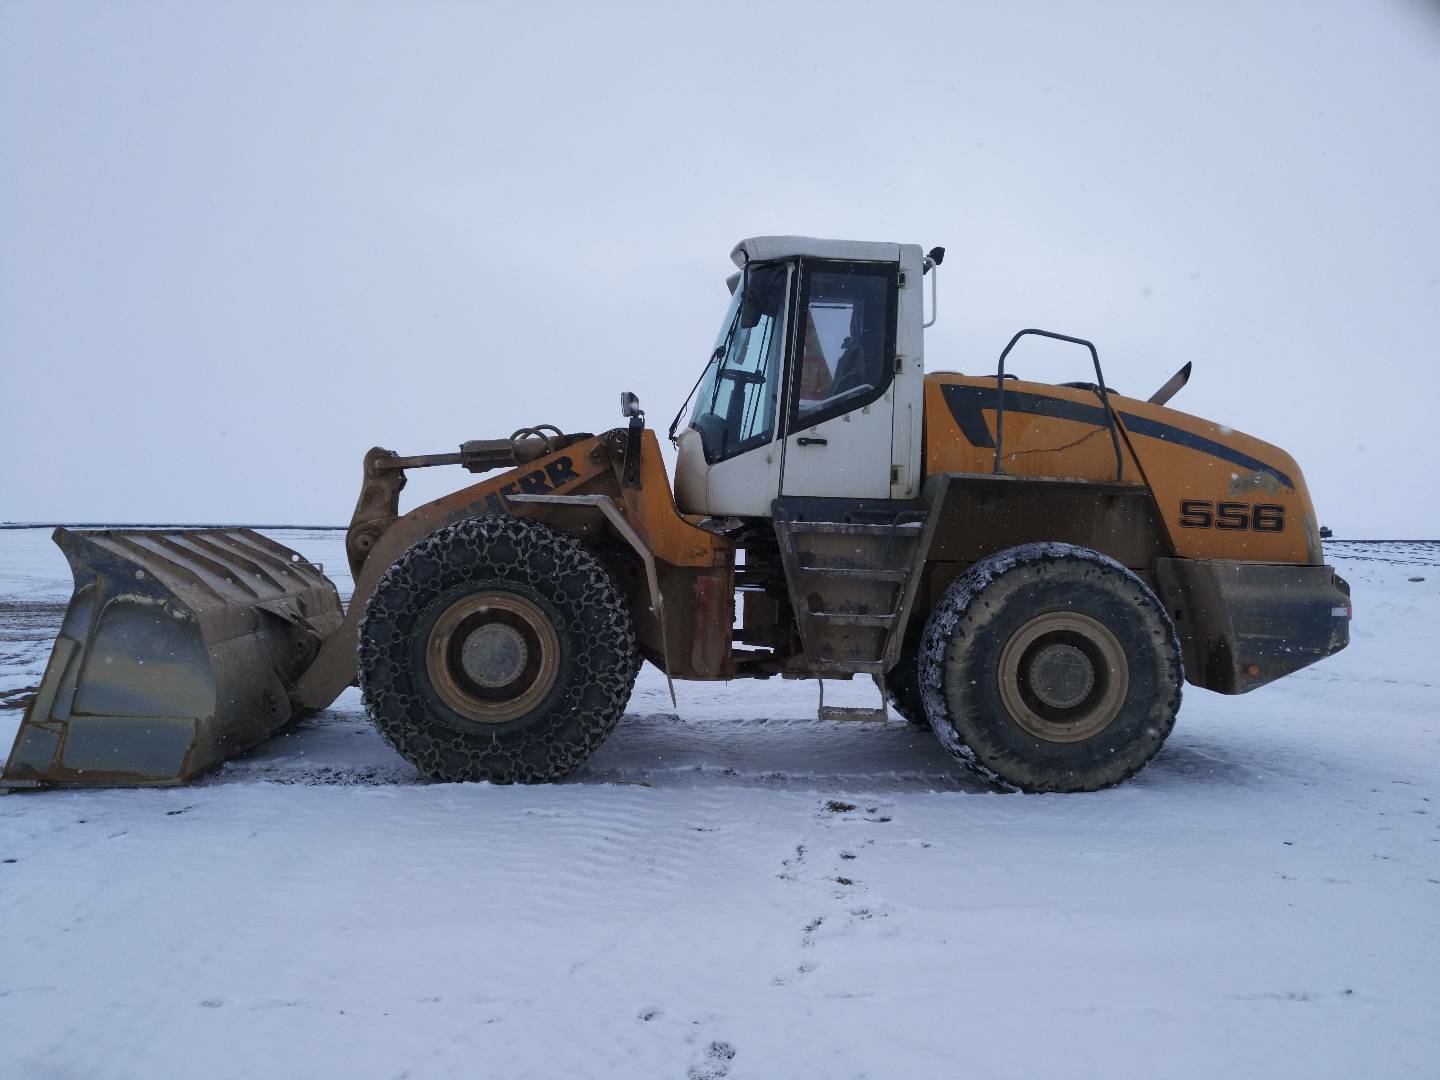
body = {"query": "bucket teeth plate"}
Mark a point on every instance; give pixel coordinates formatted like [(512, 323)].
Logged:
[(178, 651)]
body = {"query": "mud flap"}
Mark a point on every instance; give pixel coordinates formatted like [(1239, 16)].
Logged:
[(178, 650)]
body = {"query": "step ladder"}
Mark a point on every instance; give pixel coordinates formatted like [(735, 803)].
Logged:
[(851, 712), (850, 584)]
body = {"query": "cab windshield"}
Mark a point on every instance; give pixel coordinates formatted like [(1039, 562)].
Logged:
[(737, 398)]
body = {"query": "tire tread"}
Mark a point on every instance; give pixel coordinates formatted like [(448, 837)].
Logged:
[(598, 668)]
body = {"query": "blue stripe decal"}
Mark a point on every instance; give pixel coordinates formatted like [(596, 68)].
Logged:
[(1156, 430), (966, 403)]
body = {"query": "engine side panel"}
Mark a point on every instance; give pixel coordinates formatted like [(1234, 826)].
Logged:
[(1050, 431), (1218, 493), (1222, 494)]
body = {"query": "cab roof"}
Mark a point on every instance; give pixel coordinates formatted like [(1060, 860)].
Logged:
[(765, 248)]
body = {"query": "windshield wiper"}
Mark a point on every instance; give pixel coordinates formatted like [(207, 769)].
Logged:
[(719, 352), (715, 357)]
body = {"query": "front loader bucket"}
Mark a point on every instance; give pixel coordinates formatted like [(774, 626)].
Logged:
[(178, 651)]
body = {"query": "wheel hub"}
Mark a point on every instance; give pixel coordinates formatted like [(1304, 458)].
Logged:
[(1063, 676), (492, 656)]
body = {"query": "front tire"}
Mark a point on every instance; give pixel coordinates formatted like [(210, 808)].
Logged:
[(1051, 668), (496, 649)]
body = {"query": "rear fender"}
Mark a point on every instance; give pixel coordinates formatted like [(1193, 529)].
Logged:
[(1244, 624)]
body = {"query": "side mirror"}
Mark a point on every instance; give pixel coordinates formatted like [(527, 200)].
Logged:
[(629, 404), (764, 291)]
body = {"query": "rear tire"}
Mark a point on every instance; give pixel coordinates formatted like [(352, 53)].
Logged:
[(1051, 668), (496, 649)]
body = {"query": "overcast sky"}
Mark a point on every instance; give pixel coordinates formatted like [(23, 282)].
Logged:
[(240, 243)]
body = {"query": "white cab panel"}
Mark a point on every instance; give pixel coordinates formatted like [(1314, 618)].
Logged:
[(742, 486), (845, 457), (909, 389), (833, 340), (873, 450)]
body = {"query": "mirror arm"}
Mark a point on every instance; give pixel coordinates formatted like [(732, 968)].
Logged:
[(930, 267)]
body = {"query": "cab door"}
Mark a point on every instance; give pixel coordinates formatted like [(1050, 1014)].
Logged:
[(840, 399)]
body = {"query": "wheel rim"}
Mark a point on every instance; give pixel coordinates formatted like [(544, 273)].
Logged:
[(492, 656), (1063, 676)]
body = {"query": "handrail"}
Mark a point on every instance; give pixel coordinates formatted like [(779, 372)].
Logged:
[(1099, 389)]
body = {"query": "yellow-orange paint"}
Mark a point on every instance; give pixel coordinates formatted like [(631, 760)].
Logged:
[(1046, 446)]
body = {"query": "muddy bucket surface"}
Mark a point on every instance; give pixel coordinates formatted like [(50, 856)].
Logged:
[(178, 650)]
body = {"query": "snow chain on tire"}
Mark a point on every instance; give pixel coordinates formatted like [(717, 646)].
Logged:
[(529, 568)]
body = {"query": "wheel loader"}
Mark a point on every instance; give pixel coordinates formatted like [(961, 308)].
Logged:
[(1032, 570)]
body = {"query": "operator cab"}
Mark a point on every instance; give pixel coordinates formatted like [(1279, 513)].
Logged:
[(815, 385)]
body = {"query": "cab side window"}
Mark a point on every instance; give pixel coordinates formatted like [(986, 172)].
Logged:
[(847, 349)]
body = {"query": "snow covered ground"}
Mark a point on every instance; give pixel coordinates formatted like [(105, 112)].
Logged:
[(740, 890)]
